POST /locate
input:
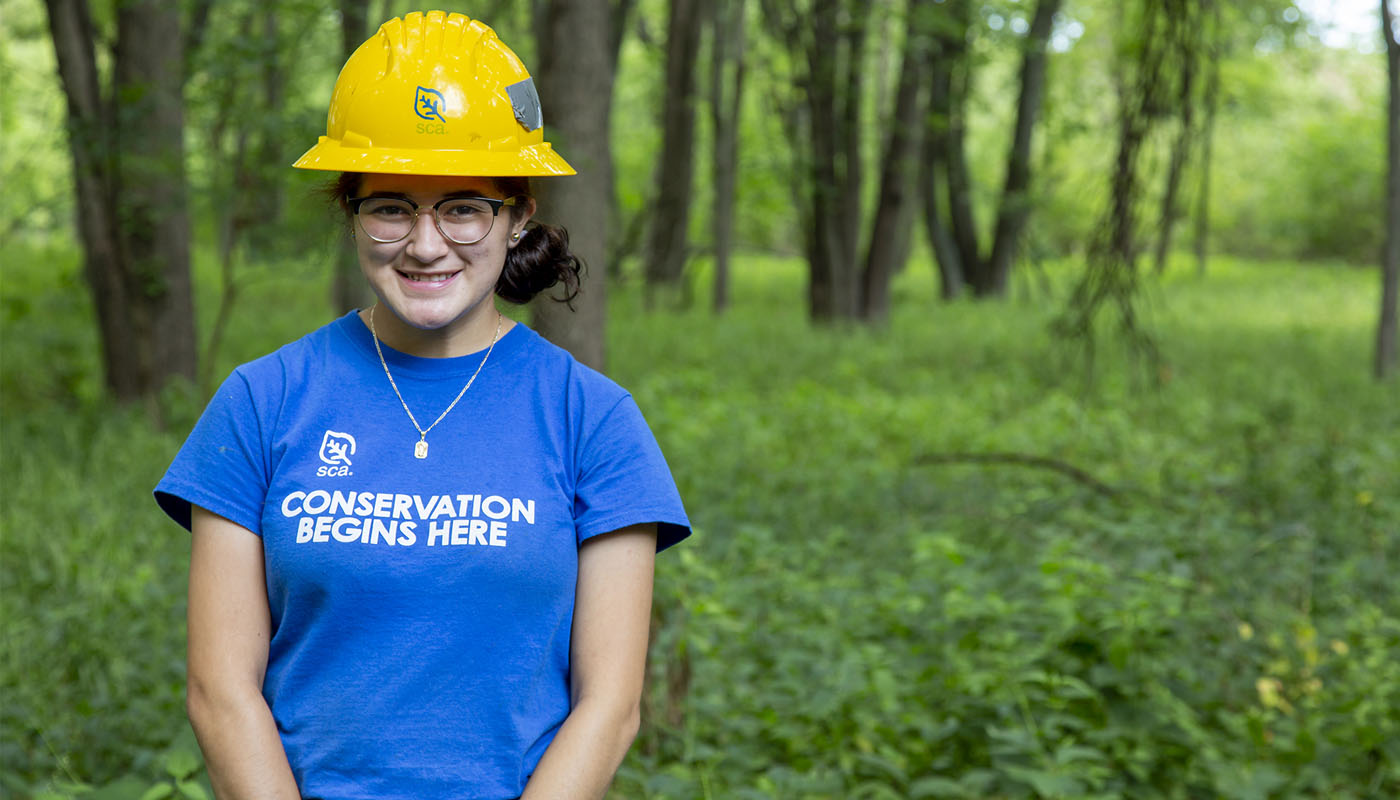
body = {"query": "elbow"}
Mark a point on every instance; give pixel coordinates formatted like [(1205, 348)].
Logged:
[(199, 704), (211, 704), (616, 723), (629, 725)]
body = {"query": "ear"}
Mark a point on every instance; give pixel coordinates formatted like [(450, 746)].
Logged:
[(518, 219)]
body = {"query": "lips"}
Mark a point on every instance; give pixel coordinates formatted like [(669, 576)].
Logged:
[(427, 279)]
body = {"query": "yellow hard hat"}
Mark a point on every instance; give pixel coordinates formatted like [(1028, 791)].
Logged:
[(435, 94)]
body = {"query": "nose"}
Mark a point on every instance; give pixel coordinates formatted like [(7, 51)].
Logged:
[(426, 243)]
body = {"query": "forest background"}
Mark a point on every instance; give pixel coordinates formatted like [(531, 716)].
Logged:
[(1033, 444)]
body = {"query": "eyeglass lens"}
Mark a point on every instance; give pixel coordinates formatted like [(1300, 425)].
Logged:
[(464, 220)]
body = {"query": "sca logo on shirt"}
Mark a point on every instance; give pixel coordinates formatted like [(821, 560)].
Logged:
[(336, 449)]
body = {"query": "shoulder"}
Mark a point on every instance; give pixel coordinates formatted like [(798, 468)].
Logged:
[(555, 364), (300, 356)]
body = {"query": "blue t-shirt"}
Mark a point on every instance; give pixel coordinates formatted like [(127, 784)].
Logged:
[(421, 608)]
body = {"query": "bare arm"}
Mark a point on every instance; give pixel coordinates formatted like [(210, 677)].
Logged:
[(229, 631), (607, 662)]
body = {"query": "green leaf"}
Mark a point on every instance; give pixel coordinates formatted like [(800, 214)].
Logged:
[(935, 787)]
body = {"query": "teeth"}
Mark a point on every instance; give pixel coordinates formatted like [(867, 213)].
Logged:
[(426, 278)]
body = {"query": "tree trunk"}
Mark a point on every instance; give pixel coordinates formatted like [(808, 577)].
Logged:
[(835, 55), (155, 224), (959, 178), (1015, 199), (727, 62), (1212, 102), (670, 217), (932, 180), (1387, 331), (889, 237), (349, 290), (632, 230), (1187, 31), (575, 82), (129, 185)]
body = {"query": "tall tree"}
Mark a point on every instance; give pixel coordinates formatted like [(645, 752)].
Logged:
[(827, 38), (348, 287), (933, 175), (1015, 206), (727, 68), (1388, 331), (1190, 48), (575, 81), (1153, 42), (666, 245), (894, 210), (1214, 54), (953, 229), (127, 146)]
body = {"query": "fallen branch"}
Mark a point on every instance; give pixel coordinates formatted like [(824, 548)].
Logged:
[(1022, 460)]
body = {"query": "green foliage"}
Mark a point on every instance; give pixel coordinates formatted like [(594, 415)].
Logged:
[(852, 619)]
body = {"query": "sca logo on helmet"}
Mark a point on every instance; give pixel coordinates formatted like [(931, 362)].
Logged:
[(427, 104), (336, 449)]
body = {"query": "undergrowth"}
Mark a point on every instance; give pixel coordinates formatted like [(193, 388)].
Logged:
[(1166, 586)]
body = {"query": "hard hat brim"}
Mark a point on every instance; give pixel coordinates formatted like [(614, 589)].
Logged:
[(537, 160)]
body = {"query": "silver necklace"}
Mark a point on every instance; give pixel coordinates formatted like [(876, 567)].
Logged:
[(420, 449)]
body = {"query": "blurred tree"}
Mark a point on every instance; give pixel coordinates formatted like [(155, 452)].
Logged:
[(126, 140), (666, 246), (1015, 207), (952, 230), (894, 210), (956, 241), (1192, 46), (1155, 43), (238, 115), (827, 41), (575, 78), (947, 49), (1214, 52), (727, 68), (1387, 331), (348, 288)]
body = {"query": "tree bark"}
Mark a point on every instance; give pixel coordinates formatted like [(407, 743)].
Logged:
[(835, 55), (1187, 32), (894, 212), (1212, 102), (575, 82), (666, 246), (1387, 330), (155, 224), (348, 287), (129, 185), (1015, 205), (959, 178), (727, 67), (932, 180)]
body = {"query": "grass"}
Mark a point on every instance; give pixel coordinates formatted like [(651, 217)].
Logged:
[(855, 617)]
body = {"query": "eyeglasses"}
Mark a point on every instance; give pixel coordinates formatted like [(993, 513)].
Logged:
[(462, 220)]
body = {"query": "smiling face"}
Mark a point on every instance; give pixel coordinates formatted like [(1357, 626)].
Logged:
[(439, 293)]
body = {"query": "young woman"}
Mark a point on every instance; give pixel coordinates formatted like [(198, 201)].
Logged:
[(423, 536)]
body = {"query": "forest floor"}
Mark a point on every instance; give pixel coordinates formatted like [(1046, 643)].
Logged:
[(932, 560)]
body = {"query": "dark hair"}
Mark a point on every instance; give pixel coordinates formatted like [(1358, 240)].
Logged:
[(538, 262)]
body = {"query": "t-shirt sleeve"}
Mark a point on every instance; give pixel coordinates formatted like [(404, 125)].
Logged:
[(623, 480), (222, 466)]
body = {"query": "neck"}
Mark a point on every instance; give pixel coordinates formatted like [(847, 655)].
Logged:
[(466, 336)]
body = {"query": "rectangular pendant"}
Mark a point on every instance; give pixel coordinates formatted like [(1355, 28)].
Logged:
[(420, 450)]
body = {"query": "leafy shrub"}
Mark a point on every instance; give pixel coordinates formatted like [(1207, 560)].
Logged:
[(855, 618)]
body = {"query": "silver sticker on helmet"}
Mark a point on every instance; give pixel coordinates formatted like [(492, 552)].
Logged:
[(525, 101)]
